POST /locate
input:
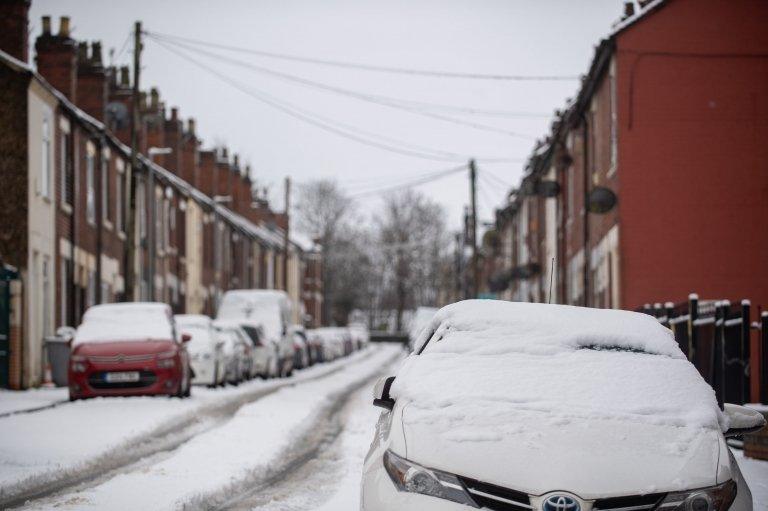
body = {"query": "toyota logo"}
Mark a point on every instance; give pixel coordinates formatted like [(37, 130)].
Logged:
[(560, 503)]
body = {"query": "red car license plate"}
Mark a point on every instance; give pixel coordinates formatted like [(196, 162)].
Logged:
[(122, 377)]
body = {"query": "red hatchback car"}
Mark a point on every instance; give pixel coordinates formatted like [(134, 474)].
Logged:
[(129, 349)]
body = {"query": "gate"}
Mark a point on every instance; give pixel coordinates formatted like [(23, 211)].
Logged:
[(715, 336), (6, 276)]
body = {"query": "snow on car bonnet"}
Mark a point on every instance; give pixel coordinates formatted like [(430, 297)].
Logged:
[(482, 365), (125, 322)]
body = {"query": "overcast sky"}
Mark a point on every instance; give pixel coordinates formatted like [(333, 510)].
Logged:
[(511, 37)]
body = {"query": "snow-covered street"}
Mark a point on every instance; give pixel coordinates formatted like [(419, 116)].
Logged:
[(275, 445), (226, 448)]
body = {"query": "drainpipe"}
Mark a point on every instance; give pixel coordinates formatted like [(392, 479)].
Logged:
[(99, 215), (585, 220)]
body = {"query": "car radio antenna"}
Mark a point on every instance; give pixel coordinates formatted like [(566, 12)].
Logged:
[(551, 275)]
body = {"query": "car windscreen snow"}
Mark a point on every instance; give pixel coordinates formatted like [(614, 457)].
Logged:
[(488, 364)]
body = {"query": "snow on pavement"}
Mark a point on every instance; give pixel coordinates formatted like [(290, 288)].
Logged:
[(213, 464), (16, 401), (756, 474), (44, 446)]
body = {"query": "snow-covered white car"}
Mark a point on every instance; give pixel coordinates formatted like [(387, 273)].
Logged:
[(205, 349), (517, 406), (264, 359), (332, 341), (236, 348), (301, 351), (266, 308)]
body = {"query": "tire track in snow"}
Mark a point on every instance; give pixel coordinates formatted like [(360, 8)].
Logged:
[(164, 439), (312, 442)]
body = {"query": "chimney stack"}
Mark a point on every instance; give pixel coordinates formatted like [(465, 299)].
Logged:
[(125, 80), (92, 83), (14, 27), (629, 9), (56, 58), (64, 26)]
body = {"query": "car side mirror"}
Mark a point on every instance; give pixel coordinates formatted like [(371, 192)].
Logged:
[(743, 420), (186, 337), (381, 395)]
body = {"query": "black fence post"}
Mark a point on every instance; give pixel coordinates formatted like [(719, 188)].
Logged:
[(745, 351), (716, 362), (764, 357), (693, 315)]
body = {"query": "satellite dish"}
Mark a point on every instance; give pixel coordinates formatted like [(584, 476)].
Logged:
[(602, 200)]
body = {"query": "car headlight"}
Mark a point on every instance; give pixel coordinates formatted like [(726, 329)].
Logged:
[(78, 363), (166, 360), (410, 477), (714, 498)]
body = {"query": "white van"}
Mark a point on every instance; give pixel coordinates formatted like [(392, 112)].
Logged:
[(269, 309)]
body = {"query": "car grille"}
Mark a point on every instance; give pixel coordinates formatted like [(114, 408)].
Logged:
[(631, 503), (146, 378), (495, 497), (118, 359)]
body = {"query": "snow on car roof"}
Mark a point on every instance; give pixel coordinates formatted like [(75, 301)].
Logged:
[(489, 363), (125, 322), (200, 320), (543, 328)]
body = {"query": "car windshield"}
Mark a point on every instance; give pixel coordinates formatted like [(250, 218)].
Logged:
[(499, 362)]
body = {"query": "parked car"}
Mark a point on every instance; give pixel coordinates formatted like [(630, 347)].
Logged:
[(332, 342), (236, 348), (263, 353), (548, 407), (315, 344), (205, 349), (128, 349), (265, 308), (301, 352)]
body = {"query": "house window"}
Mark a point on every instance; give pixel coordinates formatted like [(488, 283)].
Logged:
[(614, 124), (64, 169), (105, 199), (90, 205), (119, 197), (45, 167)]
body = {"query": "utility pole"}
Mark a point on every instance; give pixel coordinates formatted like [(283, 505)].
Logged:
[(473, 206), (286, 232), (130, 228)]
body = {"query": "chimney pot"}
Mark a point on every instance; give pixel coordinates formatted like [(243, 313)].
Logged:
[(224, 152), (154, 98), (46, 25), (96, 53), (629, 9), (124, 77), (82, 52), (64, 26), (191, 125), (174, 113), (237, 161)]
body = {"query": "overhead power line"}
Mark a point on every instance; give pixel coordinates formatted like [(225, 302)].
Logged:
[(327, 124), (410, 184), (372, 98), (370, 67)]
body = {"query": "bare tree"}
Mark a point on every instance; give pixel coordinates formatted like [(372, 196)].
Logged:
[(414, 240), (324, 213)]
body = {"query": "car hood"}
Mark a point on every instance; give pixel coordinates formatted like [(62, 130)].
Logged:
[(592, 458), (124, 347)]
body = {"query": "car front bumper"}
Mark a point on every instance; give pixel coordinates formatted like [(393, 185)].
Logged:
[(152, 381)]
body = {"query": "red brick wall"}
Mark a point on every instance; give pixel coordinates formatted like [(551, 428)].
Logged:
[(693, 156), (13, 29)]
